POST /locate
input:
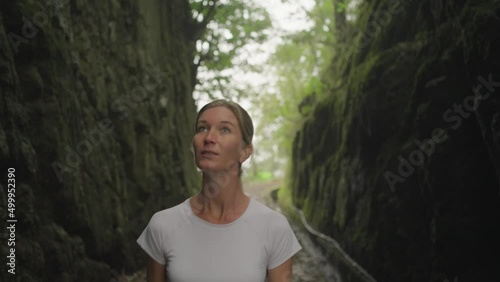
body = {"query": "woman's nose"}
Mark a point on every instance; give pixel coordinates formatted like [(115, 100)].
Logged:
[(210, 137)]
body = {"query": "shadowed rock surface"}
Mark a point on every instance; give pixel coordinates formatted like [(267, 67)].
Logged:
[(438, 217), (96, 118)]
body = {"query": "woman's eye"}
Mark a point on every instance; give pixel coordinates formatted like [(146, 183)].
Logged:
[(225, 130), (201, 128)]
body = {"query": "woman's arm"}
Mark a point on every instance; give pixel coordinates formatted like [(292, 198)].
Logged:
[(282, 273), (156, 272)]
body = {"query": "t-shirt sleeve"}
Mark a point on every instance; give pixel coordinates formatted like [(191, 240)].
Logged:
[(151, 240), (283, 242)]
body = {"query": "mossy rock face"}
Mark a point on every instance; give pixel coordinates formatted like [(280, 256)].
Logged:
[(399, 91), (90, 107)]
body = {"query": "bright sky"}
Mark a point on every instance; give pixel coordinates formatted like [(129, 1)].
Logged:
[(288, 16)]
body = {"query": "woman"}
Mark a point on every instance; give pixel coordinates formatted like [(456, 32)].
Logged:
[(220, 234)]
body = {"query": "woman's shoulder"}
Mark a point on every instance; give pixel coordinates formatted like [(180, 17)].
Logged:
[(268, 223), (265, 212), (172, 216)]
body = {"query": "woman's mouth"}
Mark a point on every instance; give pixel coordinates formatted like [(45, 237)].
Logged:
[(207, 153)]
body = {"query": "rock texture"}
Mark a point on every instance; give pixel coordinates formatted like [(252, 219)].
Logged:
[(96, 118), (401, 163)]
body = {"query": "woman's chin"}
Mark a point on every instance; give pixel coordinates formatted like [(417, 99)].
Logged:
[(208, 168)]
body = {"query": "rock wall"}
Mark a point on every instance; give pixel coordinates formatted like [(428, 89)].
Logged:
[(96, 119), (401, 162)]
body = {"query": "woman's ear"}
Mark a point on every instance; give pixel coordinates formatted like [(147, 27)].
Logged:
[(246, 152)]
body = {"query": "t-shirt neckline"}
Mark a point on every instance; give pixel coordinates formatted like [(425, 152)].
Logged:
[(216, 225)]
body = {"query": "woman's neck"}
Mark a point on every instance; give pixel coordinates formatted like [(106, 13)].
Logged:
[(221, 196)]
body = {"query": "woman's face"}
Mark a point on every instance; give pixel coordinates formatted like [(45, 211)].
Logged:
[(218, 143)]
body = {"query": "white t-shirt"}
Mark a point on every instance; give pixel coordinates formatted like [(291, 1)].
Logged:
[(195, 250)]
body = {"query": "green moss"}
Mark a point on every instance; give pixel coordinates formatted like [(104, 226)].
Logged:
[(285, 202)]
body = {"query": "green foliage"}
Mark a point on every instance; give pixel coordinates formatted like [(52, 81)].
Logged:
[(341, 6), (230, 25), (261, 176), (298, 63)]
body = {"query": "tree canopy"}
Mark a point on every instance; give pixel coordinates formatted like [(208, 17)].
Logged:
[(230, 26)]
